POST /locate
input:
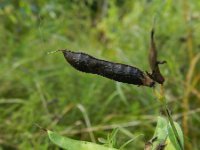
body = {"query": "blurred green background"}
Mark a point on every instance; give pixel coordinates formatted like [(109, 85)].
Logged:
[(37, 88)]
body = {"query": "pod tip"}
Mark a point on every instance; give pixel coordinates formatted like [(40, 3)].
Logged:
[(52, 52)]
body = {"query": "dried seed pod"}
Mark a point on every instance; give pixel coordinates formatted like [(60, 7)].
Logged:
[(115, 71), (154, 63)]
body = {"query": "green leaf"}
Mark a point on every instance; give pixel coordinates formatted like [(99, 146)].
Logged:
[(172, 136), (161, 128), (161, 131), (70, 144), (164, 133), (169, 145)]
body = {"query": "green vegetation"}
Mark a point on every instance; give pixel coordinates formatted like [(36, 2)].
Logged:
[(36, 88), (163, 137)]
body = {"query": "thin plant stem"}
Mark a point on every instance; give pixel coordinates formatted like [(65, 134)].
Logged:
[(172, 125), (189, 47)]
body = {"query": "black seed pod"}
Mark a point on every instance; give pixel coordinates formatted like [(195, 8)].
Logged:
[(115, 71)]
